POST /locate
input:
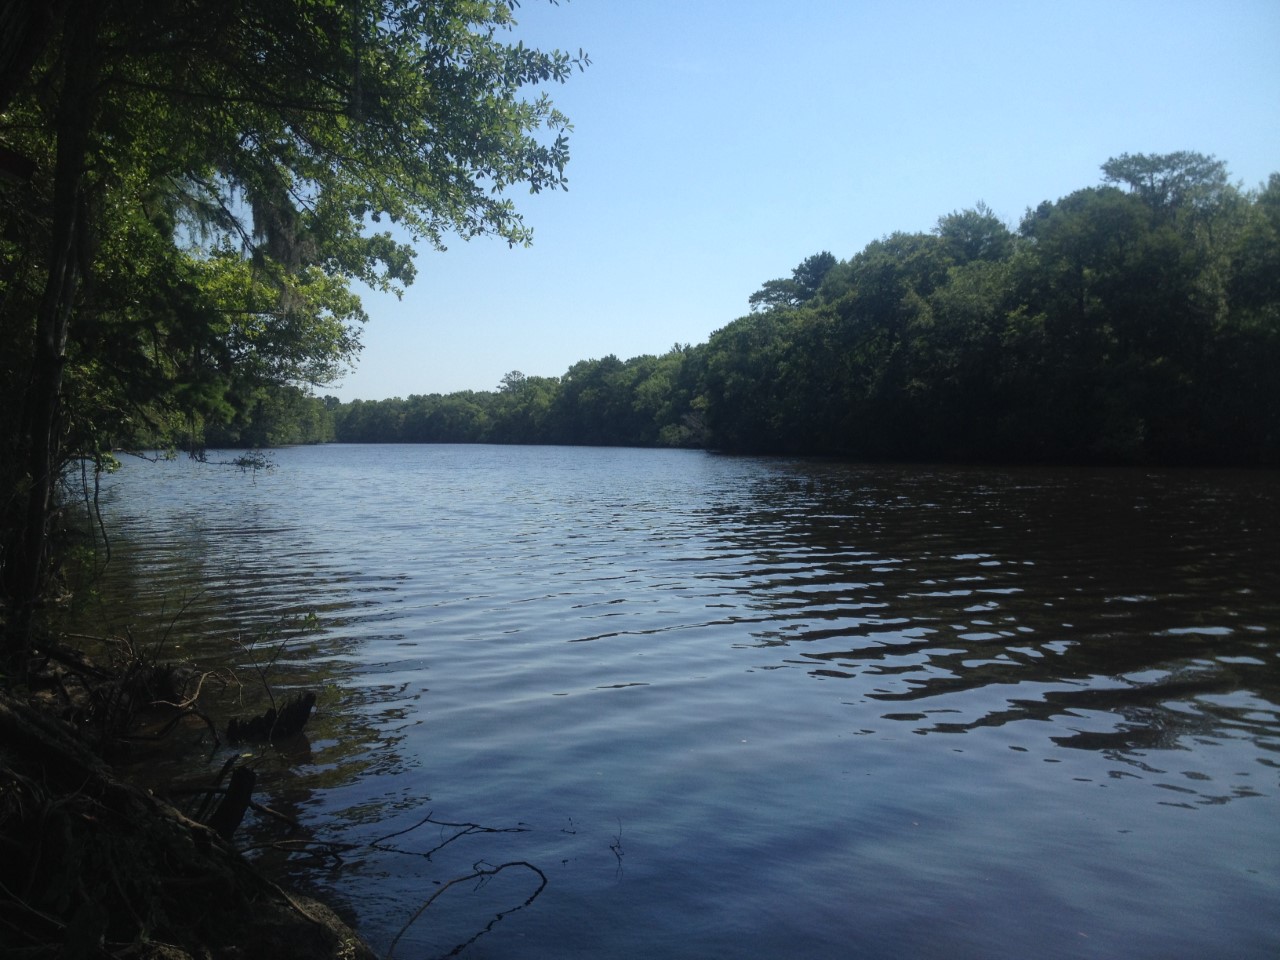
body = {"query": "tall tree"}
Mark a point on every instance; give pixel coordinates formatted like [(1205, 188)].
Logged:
[(799, 288), (208, 177), (1169, 182), (976, 234)]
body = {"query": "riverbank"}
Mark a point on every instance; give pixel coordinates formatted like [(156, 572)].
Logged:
[(94, 866)]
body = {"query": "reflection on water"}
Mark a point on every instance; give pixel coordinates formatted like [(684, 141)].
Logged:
[(748, 707), (1146, 604)]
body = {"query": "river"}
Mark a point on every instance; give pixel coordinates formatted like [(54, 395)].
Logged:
[(742, 707)]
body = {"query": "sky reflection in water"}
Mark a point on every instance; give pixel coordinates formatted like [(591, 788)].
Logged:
[(757, 707)]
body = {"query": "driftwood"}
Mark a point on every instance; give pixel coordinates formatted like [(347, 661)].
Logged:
[(234, 803), (273, 725)]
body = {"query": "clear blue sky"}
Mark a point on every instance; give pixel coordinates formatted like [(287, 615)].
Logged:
[(716, 145)]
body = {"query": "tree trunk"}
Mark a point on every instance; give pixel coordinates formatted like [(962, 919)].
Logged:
[(26, 27), (27, 567)]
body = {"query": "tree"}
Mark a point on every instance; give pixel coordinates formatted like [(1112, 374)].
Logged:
[(1137, 296), (1169, 182), (801, 287), (208, 178), (590, 402), (744, 383), (976, 234)]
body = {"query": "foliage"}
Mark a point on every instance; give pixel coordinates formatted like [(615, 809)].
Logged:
[(801, 287), (645, 401), (197, 185), (1111, 328), (1133, 322)]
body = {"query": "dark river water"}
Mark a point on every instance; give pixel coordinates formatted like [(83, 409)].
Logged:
[(739, 707)]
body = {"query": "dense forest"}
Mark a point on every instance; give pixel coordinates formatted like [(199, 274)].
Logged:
[(1137, 321)]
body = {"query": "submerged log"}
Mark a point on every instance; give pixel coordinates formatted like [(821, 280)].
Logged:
[(274, 725), (234, 803)]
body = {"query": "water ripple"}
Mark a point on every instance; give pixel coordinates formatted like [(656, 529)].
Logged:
[(817, 675)]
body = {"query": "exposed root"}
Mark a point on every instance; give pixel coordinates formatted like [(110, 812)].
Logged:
[(94, 867)]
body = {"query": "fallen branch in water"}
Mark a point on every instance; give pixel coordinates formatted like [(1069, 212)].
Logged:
[(465, 829), (254, 805), (312, 850), (616, 847), (482, 874)]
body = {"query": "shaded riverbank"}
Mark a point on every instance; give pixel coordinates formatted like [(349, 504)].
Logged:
[(94, 866)]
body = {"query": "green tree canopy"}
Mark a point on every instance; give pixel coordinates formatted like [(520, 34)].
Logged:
[(1169, 181), (976, 234), (801, 287), (207, 179)]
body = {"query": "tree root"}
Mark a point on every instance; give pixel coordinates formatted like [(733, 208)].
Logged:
[(94, 867)]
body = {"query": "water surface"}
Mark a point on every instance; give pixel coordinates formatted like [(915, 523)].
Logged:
[(748, 707)]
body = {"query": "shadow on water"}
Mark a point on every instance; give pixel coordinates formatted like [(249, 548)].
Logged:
[(804, 688), (1138, 611), (212, 595)]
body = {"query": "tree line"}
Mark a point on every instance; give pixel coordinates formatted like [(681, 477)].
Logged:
[(1134, 322), (642, 402)]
